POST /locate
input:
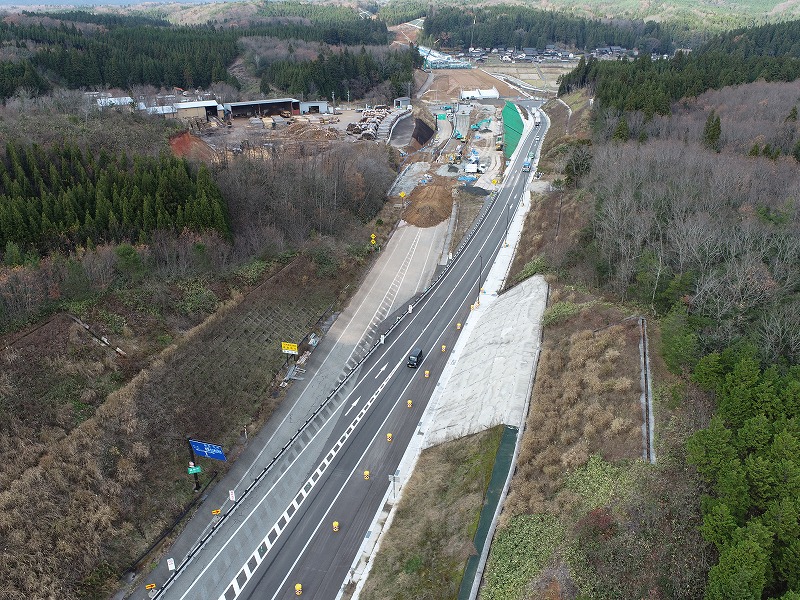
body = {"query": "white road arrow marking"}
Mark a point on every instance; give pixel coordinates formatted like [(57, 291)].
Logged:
[(352, 406), (381, 370)]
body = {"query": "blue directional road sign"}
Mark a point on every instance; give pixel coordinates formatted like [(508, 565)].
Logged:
[(208, 450)]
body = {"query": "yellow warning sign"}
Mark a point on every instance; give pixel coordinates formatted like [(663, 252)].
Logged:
[(288, 348), (216, 511), (150, 586)]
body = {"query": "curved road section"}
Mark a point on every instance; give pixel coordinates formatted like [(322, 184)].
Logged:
[(282, 535)]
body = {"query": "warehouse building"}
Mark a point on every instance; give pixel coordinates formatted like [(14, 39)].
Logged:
[(262, 108), (318, 107)]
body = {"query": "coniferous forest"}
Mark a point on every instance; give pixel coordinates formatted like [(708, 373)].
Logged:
[(709, 145), (78, 49), (58, 198), (690, 198), (769, 52)]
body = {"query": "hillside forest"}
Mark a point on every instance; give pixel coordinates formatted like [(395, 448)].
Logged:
[(689, 187), (74, 49)]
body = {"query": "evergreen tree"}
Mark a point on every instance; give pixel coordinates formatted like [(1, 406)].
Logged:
[(712, 132), (622, 132), (13, 255)]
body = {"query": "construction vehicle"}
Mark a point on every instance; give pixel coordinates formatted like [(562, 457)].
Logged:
[(498, 143), (458, 135), (481, 124)]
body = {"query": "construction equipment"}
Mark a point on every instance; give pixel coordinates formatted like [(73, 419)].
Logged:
[(483, 123)]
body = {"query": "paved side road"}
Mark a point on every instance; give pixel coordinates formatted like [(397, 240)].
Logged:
[(405, 268)]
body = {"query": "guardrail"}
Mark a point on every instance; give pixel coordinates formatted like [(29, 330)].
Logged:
[(214, 528)]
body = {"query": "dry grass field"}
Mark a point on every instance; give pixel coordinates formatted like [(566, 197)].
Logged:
[(424, 553), (107, 481)]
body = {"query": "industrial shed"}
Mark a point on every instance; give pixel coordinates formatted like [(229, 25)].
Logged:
[(317, 107), (203, 109), (491, 94), (262, 108)]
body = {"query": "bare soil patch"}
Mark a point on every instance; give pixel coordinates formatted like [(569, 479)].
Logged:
[(404, 34), (431, 203), (191, 147), (447, 84)]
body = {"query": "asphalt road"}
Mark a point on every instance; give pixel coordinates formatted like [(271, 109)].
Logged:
[(305, 497)]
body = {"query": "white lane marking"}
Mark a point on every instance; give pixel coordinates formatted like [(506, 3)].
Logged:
[(467, 271), (381, 428), (287, 515), (352, 406), (381, 370), (425, 267), (324, 518), (393, 248)]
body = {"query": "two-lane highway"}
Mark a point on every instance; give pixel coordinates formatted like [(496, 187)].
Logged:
[(323, 481)]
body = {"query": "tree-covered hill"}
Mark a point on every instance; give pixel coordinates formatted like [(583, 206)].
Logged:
[(650, 86), (522, 27), (57, 49), (778, 39)]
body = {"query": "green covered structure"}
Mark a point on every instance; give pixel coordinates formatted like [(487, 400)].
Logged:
[(512, 128)]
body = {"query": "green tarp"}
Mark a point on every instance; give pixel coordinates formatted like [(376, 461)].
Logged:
[(512, 128)]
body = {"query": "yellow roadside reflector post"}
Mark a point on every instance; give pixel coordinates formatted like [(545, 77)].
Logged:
[(389, 437), (410, 403), (298, 589), (427, 373), (336, 525), (366, 475)]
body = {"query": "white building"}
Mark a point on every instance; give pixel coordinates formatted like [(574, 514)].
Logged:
[(491, 94)]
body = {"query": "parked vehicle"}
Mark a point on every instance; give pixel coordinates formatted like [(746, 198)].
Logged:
[(526, 166)]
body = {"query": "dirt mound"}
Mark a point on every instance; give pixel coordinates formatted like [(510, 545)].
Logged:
[(430, 204), (188, 146)]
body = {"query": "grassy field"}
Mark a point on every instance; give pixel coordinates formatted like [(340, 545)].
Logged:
[(424, 552)]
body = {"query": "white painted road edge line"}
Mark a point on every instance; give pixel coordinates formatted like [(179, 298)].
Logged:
[(415, 449)]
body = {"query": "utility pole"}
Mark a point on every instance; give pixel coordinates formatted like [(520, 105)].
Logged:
[(333, 95)]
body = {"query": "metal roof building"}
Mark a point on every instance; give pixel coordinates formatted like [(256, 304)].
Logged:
[(262, 108), (491, 94)]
